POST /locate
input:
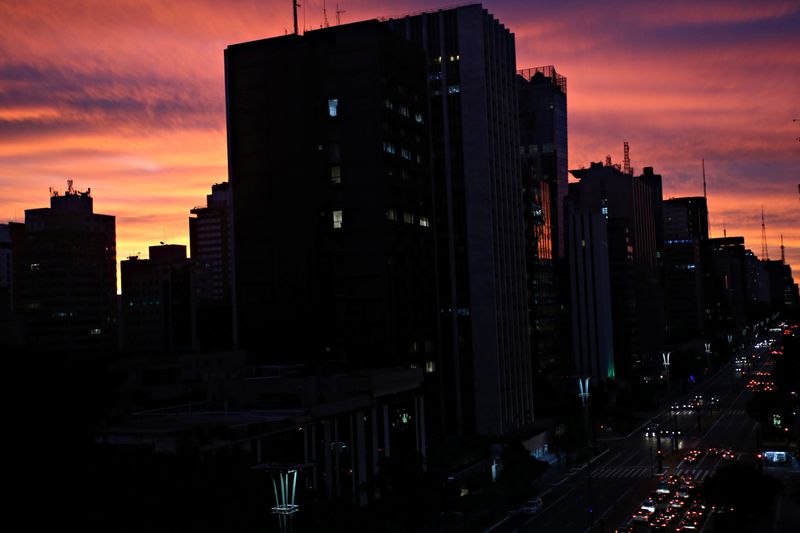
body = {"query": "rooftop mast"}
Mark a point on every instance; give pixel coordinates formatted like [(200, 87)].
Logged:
[(627, 160), (764, 248), (294, 12)]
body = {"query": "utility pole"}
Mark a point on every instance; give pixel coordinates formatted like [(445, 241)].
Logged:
[(294, 13)]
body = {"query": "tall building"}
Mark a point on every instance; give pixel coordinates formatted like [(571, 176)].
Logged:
[(5, 271), (482, 303), (631, 207), (685, 231), (69, 284), (726, 284), (156, 303), (543, 147), (590, 290), (211, 242), (329, 164)]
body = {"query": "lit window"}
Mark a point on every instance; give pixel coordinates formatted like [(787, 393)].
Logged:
[(35, 267), (405, 153), (95, 331), (408, 218), (418, 117), (403, 110), (333, 105), (419, 159), (428, 346), (430, 367), (438, 59), (336, 174), (391, 214), (454, 89), (423, 221), (414, 347), (337, 219), (388, 147), (388, 104), (604, 210)]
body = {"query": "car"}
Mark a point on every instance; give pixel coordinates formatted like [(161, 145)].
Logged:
[(651, 431), (728, 455), (649, 505), (532, 506), (712, 451), (642, 516), (677, 503)]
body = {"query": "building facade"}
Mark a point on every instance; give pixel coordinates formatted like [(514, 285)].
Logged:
[(211, 250), (68, 277), (332, 202), (482, 303)]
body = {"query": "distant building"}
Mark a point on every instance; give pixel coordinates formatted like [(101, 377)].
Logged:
[(632, 209), (211, 250), (156, 303), (543, 148), (480, 221), (726, 284), (68, 277), (782, 289), (685, 231), (5, 271)]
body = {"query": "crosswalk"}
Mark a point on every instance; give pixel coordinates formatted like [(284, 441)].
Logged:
[(622, 472), (705, 410)]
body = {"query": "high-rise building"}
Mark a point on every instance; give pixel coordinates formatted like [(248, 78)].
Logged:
[(156, 303), (543, 148), (5, 271), (329, 163), (685, 231), (631, 206), (726, 284), (482, 302), (68, 278), (210, 241)]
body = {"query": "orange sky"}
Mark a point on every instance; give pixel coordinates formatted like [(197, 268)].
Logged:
[(127, 97)]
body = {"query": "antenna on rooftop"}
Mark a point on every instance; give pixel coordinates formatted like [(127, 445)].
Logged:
[(70, 190), (294, 13), (324, 15), (764, 248), (339, 15), (627, 159), (704, 179), (608, 160), (783, 251)]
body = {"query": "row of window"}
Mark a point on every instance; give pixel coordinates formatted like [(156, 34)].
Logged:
[(391, 214), (405, 153), (333, 109)]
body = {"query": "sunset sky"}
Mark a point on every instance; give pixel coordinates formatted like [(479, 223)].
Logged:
[(127, 97)]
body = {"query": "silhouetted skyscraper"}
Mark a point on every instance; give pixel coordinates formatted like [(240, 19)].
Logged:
[(480, 224), (329, 165), (632, 208), (69, 281), (543, 148), (211, 243), (685, 231), (156, 302)]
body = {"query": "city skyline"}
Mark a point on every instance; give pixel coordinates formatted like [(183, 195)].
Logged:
[(92, 94)]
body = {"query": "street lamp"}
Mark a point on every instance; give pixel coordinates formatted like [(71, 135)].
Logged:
[(583, 394)]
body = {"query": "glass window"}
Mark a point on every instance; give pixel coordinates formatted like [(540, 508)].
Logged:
[(430, 366), (336, 174), (391, 214), (418, 117), (405, 153), (423, 221), (388, 104), (403, 110), (408, 218), (333, 107), (454, 89), (337, 219), (388, 147)]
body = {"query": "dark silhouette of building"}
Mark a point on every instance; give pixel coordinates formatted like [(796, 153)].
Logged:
[(156, 303), (632, 208), (211, 242), (482, 305), (590, 291), (68, 277), (782, 289), (329, 166), (543, 147), (726, 285), (5, 272), (685, 232)]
